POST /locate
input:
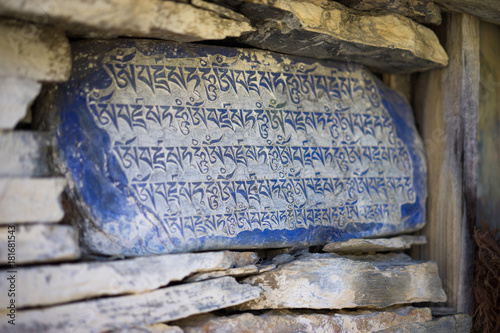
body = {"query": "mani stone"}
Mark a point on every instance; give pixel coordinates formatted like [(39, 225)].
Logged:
[(170, 20), (39, 243), (325, 29), (16, 96), (33, 52), (24, 200), (24, 153), (330, 281), (174, 148), (118, 313), (375, 245), (46, 285), (282, 321)]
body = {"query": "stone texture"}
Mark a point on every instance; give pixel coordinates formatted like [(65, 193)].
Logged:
[(16, 96), (138, 18), (33, 52), (156, 328), (24, 153), (324, 29), (460, 323), (24, 200), (282, 321), (422, 11), (115, 313), (177, 148), (40, 243), (487, 10), (329, 281), (375, 245), (45, 285), (237, 272)]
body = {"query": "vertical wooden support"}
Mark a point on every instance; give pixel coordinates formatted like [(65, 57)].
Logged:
[(446, 108)]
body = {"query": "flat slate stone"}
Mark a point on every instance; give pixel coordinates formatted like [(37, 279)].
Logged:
[(459, 323), (330, 281), (375, 245), (156, 328), (46, 285), (237, 272), (115, 313), (360, 321), (16, 96), (24, 200), (173, 148), (35, 52), (39, 243), (325, 29), (25, 154)]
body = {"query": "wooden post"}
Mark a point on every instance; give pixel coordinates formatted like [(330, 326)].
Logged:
[(446, 108)]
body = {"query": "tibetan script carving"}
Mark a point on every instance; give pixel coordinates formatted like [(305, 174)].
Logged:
[(174, 148)]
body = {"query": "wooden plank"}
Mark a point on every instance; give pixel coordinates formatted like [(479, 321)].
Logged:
[(330, 281), (24, 154), (25, 200), (39, 243), (488, 10), (149, 308), (446, 107), (50, 284), (488, 209)]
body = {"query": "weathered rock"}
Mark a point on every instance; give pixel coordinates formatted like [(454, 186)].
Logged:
[(138, 18), (16, 96), (329, 281), (33, 52), (220, 10), (156, 328), (460, 323), (44, 285), (324, 29), (281, 321), (487, 10), (422, 11), (117, 313), (25, 200), (39, 243), (231, 149), (24, 154), (375, 245), (237, 272)]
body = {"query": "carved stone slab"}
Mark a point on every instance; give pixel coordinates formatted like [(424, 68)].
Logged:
[(175, 148)]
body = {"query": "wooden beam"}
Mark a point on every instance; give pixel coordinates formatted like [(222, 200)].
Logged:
[(446, 107)]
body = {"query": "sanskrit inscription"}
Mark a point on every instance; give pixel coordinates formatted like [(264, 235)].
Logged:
[(197, 147)]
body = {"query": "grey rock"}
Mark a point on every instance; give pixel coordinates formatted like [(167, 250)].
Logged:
[(24, 200), (24, 154), (460, 323), (330, 281), (39, 243), (236, 272), (375, 245), (324, 29), (16, 96), (45, 285), (144, 309)]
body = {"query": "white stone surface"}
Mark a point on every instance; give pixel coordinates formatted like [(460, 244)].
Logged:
[(40, 243), (24, 153), (50, 284), (25, 200), (144, 309), (16, 96), (36, 52), (375, 245), (330, 281)]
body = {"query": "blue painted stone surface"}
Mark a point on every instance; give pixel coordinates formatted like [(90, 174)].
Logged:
[(175, 148)]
